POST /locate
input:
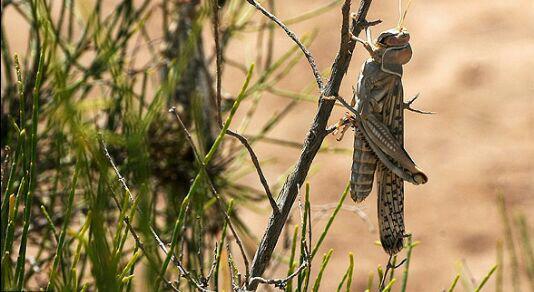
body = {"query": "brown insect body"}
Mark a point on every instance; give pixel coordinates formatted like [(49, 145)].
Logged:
[(379, 137)]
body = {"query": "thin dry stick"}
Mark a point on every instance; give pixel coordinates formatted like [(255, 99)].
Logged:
[(235, 287), (213, 263), (280, 283), (218, 61), (294, 37), (315, 136), (243, 140), (256, 163), (350, 208), (221, 205)]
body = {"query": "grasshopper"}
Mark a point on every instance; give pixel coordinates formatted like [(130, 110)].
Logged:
[(379, 133)]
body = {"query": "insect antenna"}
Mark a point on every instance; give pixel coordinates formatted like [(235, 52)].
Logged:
[(402, 16)]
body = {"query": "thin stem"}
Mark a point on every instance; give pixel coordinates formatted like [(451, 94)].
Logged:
[(256, 163), (219, 58), (279, 283), (293, 36)]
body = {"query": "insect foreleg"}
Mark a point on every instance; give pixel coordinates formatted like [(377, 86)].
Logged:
[(369, 35), (408, 106)]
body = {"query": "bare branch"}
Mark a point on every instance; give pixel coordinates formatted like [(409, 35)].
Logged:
[(294, 37), (213, 263), (280, 283), (314, 138), (322, 209), (256, 163), (218, 54), (231, 266)]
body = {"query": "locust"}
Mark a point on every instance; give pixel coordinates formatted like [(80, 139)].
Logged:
[(379, 132)]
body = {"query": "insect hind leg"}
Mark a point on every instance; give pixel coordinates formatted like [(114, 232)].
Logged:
[(364, 165)]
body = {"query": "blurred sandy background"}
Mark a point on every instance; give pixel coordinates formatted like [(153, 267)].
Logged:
[(473, 64)]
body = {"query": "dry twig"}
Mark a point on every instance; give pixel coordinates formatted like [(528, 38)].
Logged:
[(280, 283), (219, 59), (293, 36), (256, 163)]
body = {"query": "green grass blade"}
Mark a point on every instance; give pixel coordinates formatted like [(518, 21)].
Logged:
[(486, 278), (10, 229), (454, 282), (292, 265), (326, 259), (370, 281), (221, 247), (389, 286), (20, 269), (514, 262), (347, 275), (500, 267), (175, 235), (63, 234), (380, 272), (527, 249), (50, 223), (407, 263)]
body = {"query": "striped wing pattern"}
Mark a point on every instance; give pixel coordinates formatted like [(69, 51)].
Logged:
[(391, 186)]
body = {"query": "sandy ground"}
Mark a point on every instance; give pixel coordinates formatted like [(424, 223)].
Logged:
[(473, 65)]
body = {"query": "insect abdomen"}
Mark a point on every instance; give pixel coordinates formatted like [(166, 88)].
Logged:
[(363, 168)]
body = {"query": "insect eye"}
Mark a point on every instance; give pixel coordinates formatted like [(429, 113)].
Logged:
[(383, 41)]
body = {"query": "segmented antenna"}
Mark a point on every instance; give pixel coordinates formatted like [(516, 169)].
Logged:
[(402, 16)]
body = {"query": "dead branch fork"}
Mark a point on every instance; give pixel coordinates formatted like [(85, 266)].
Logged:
[(316, 133)]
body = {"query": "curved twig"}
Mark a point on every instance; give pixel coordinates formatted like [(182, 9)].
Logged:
[(256, 163), (293, 36)]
